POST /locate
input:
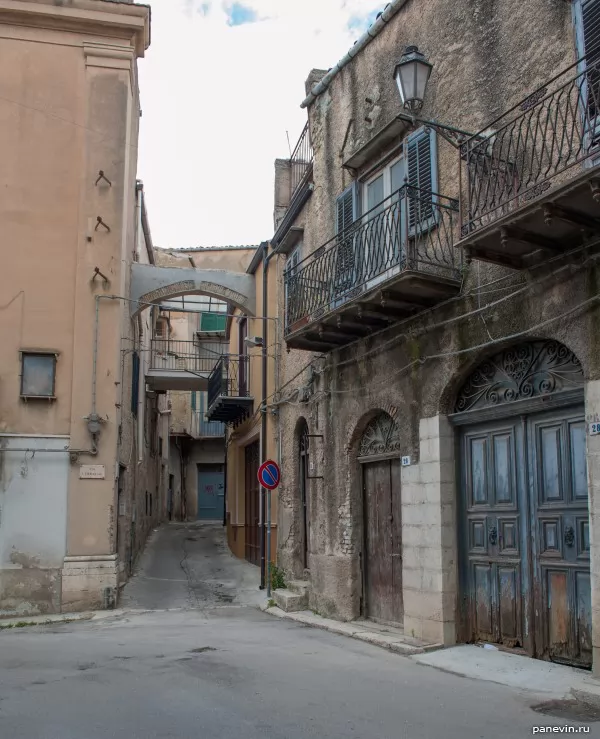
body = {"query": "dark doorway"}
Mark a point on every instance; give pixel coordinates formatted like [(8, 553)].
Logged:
[(304, 493), (252, 489)]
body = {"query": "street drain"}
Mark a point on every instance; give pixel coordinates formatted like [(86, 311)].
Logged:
[(199, 650), (191, 538), (568, 709)]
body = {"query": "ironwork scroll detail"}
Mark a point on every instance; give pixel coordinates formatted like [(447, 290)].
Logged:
[(381, 436), (528, 370)]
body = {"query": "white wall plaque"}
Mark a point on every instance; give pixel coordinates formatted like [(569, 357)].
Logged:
[(594, 429), (405, 461), (92, 472)]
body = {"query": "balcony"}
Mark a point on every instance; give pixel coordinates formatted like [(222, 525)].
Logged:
[(396, 260), (203, 429), (179, 365), (229, 399), (530, 182), (301, 163)]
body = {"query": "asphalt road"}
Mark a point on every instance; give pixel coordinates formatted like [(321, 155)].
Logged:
[(229, 671)]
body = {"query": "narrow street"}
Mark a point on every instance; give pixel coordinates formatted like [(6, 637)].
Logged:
[(218, 667), (188, 565)]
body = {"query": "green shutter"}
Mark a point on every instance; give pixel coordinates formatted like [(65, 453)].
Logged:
[(213, 322)]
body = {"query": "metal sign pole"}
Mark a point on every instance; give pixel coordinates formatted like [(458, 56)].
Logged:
[(268, 543)]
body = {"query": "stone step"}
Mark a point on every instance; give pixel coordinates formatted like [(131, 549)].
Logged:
[(298, 586), (289, 601)]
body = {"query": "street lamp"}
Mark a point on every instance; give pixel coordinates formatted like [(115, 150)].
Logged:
[(412, 74)]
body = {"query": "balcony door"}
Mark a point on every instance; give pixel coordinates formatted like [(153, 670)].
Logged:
[(382, 222)]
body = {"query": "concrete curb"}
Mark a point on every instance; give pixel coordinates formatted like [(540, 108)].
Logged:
[(392, 642), (52, 618)]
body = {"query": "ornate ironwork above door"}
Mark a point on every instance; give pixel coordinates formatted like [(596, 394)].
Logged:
[(528, 370), (382, 436)]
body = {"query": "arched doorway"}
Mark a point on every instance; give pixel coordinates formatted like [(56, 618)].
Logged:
[(382, 546), (523, 523), (304, 492)]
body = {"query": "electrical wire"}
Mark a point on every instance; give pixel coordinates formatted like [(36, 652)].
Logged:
[(475, 347)]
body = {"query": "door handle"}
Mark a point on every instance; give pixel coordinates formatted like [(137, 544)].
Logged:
[(493, 536), (569, 536)]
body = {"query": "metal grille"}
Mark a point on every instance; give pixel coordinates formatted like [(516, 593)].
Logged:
[(224, 380), (301, 162), (531, 147), (378, 245)]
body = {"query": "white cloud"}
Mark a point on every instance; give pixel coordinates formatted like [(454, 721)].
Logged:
[(217, 101)]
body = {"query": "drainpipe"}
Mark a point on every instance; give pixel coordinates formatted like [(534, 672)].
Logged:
[(265, 505)]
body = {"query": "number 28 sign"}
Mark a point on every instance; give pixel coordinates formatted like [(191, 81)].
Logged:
[(269, 474)]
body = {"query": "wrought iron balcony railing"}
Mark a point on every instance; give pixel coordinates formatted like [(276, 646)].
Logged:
[(301, 162), (228, 389), (201, 428), (412, 230), (531, 147), (181, 356)]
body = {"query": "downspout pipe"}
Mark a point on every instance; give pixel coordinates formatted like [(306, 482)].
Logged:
[(265, 495), (372, 32)]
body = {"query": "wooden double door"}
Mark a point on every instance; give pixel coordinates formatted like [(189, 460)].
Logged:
[(524, 531), (382, 566)]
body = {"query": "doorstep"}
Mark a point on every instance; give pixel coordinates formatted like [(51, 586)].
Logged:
[(388, 637)]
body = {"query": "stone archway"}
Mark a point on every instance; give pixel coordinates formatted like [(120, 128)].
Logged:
[(150, 284)]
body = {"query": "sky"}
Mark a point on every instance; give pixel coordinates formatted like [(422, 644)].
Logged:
[(221, 84)]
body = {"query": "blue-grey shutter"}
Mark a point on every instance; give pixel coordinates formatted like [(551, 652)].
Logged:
[(422, 174), (135, 383), (346, 214), (589, 39), (590, 20)]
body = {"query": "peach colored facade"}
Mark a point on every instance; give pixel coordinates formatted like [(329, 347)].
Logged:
[(69, 110)]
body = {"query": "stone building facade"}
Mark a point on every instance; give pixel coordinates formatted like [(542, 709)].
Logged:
[(81, 467), (437, 409)]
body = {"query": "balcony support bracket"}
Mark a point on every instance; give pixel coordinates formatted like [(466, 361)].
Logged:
[(527, 237), (552, 211)]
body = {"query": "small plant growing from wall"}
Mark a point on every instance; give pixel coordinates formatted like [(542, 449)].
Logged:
[(277, 578)]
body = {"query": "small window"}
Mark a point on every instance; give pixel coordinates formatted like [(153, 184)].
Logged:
[(38, 375)]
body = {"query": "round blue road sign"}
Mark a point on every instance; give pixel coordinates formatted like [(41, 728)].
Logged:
[(269, 474)]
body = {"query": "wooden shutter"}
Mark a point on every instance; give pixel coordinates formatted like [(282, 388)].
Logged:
[(588, 37), (346, 214), (590, 21), (135, 382), (422, 173)]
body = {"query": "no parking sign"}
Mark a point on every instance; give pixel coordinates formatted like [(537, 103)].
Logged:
[(269, 474)]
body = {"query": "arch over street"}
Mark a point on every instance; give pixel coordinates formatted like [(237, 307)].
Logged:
[(150, 284)]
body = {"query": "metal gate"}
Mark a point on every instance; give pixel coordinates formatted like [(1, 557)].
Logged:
[(252, 518), (524, 525), (382, 516)]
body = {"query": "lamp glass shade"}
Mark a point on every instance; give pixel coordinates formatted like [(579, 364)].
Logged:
[(412, 75)]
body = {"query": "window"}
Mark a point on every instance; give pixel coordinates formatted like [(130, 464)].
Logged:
[(162, 329), (38, 374)]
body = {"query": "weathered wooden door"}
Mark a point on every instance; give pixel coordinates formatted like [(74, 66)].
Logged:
[(558, 481), (383, 541), (524, 523), (252, 547), (495, 532)]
